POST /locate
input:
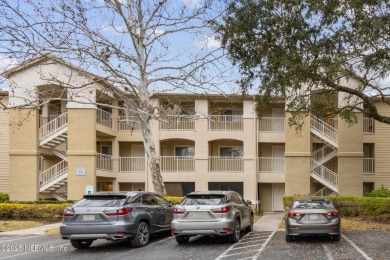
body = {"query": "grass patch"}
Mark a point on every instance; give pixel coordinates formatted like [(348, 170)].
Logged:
[(11, 225)]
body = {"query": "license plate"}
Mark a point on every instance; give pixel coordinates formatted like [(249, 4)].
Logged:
[(313, 217), (88, 217), (198, 215)]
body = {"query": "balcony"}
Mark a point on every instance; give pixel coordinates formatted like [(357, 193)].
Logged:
[(368, 126), (368, 165), (178, 123), (104, 162), (132, 164), (130, 123), (225, 123), (271, 164), (104, 118), (226, 164), (177, 163), (271, 124)]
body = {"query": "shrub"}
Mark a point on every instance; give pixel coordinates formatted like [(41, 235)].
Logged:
[(174, 199), (381, 192), (32, 211), (4, 197)]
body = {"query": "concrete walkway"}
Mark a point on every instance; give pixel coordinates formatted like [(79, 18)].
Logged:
[(32, 231), (270, 221)]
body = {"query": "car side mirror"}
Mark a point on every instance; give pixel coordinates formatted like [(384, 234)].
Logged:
[(249, 202), (170, 203), (286, 208)]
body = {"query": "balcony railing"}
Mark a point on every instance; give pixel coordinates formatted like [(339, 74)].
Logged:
[(104, 162), (104, 118), (226, 164), (53, 125), (325, 128), (132, 164), (130, 123), (177, 123), (225, 123), (368, 165), (368, 125), (177, 163), (271, 124), (53, 172), (272, 164)]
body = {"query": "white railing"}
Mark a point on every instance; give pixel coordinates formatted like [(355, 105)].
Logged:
[(368, 125), (53, 126), (177, 122), (272, 164), (324, 128), (177, 163), (324, 173), (104, 162), (53, 116), (322, 152), (130, 123), (325, 191), (132, 164), (226, 164), (271, 124), (104, 118), (368, 165), (225, 123), (53, 172)]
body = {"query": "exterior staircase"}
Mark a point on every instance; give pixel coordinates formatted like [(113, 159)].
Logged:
[(318, 171), (53, 135)]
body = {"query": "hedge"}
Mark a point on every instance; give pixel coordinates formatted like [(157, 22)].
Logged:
[(353, 206), (32, 211), (4, 197)]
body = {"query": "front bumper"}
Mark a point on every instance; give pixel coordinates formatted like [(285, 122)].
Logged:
[(109, 232)]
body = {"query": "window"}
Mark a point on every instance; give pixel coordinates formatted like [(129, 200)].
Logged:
[(368, 187), (231, 151), (234, 186), (235, 199), (148, 199), (106, 149), (184, 151), (161, 201), (204, 199)]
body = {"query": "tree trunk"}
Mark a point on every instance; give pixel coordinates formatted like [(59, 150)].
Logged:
[(153, 162)]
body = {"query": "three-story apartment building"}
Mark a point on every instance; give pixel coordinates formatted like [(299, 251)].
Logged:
[(68, 145)]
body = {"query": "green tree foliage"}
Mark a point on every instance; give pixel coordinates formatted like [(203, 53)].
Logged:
[(302, 48), (381, 192)]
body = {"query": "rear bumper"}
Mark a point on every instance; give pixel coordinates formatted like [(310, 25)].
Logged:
[(329, 229), (109, 232), (220, 228)]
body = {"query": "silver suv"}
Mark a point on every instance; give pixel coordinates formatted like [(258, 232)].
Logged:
[(212, 213), (116, 215)]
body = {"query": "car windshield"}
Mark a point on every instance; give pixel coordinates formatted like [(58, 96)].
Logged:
[(319, 204), (204, 199), (101, 201)]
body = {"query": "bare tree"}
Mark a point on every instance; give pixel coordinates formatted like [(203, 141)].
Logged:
[(139, 47)]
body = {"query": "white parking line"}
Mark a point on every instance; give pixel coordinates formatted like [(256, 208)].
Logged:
[(357, 248), (263, 246), (327, 251), (18, 238), (227, 250)]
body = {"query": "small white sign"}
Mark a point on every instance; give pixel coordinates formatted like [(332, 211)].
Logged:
[(89, 189), (81, 171)]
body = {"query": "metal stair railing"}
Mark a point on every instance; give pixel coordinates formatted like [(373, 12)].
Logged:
[(53, 126), (324, 128), (53, 172), (324, 173)]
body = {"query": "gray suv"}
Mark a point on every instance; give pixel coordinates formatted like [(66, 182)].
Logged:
[(212, 213), (116, 215)]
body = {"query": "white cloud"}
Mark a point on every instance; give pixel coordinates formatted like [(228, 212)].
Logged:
[(208, 43), (7, 63), (192, 3)]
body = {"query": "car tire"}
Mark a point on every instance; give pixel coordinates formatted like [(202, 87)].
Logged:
[(182, 239), (336, 238), (142, 235), (250, 227), (289, 238), (81, 244), (233, 238)]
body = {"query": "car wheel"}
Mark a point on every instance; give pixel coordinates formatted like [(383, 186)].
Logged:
[(236, 232), (250, 227), (81, 244), (142, 236), (336, 238), (289, 238), (182, 239)]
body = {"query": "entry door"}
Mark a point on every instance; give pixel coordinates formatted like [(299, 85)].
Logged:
[(138, 164), (277, 126), (278, 192), (277, 152)]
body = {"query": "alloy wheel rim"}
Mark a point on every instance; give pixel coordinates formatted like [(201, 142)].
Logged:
[(143, 234), (238, 230)]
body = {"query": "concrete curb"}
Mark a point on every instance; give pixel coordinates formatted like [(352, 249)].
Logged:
[(32, 231)]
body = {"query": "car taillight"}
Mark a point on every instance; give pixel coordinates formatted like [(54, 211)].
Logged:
[(294, 214), (178, 210), (120, 212), (68, 212), (222, 209), (333, 213)]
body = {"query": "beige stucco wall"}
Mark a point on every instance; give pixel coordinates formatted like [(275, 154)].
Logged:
[(23, 154), (4, 147)]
